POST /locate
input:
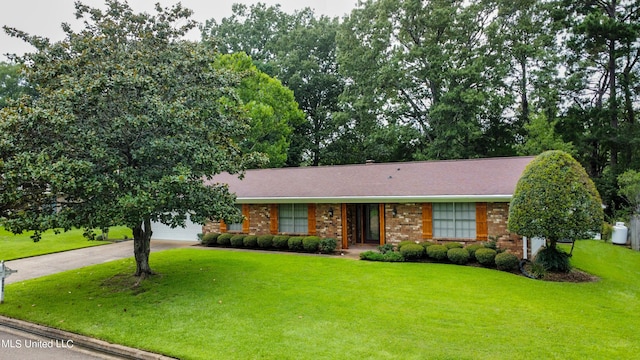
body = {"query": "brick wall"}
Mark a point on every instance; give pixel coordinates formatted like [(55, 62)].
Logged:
[(406, 224), (497, 215), (328, 226)]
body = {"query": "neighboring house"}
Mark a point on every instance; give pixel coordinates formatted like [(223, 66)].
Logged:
[(378, 203)]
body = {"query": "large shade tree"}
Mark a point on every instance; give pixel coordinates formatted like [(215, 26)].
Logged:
[(556, 200), (129, 121)]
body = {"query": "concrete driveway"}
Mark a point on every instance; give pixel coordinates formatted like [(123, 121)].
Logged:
[(38, 266)]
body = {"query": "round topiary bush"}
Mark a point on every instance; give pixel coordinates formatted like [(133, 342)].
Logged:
[(281, 241), (265, 241), (405, 242), (295, 243), (486, 256), (210, 239), (412, 252), (237, 240), (472, 250), (327, 245), (506, 261), (426, 245), (554, 260), (224, 239), (311, 244), (454, 245), (250, 241), (437, 252), (458, 256)]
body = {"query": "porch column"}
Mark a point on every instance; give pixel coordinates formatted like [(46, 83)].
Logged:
[(343, 219), (381, 223)]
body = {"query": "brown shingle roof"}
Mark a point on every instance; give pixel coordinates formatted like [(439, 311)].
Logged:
[(491, 179)]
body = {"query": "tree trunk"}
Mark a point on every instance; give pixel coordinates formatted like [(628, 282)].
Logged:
[(142, 248)]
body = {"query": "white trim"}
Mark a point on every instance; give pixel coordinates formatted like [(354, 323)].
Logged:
[(375, 199)]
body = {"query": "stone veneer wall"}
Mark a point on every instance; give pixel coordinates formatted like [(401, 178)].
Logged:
[(405, 225)]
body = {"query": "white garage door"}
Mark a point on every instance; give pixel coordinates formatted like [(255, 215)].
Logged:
[(164, 232)]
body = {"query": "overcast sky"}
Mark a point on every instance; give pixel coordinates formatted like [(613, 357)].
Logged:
[(43, 17)]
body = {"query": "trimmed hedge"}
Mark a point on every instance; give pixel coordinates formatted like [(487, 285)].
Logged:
[(237, 240), (472, 250), (265, 241), (405, 242), (390, 256), (437, 252), (210, 239), (281, 241), (311, 243), (224, 239), (295, 243), (426, 245), (412, 251), (507, 261), (486, 256), (458, 256), (250, 241), (328, 245)]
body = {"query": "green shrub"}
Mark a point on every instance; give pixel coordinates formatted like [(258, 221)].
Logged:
[(406, 242), (412, 251), (237, 240), (390, 256), (265, 241), (210, 239), (437, 252), (250, 241), (458, 255), (328, 245), (486, 256), (454, 245), (311, 244), (426, 244), (507, 261), (383, 249), (281, 241), (224, 239), (472, 250), (553, 259), (295, 243)]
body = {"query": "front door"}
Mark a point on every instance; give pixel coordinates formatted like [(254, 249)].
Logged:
[(369, 224)]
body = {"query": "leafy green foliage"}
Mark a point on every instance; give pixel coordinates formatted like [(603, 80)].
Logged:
[(412, 251), (210, 239), (629, 183), (327, 245), (12, 84), (281, 241), (458, 255), (295, 243), (383, 249), (454, 244), (437, 252), (128, 121), (390, 256), (553, 259), (265, 241), (472, 250), (506, 261), (311, 243), (224, 239), (237, 241), (486, 256), (250, 241), (555, 199)]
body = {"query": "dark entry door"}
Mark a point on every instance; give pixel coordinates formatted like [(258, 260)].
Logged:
[(369, 223)]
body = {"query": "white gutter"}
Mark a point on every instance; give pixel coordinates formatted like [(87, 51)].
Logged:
[(373, 199)]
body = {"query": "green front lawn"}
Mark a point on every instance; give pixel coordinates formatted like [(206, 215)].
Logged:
[(21, 246), (216, 304)]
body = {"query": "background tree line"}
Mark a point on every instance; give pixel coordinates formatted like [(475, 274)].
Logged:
[(399, 80)]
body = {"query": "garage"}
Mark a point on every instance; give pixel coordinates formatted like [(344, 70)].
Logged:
[(188, 233)]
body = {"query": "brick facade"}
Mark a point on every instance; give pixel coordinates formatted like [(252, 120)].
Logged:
[(402, 221)]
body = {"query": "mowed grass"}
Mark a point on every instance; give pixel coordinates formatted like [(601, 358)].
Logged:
[(21, 246), (217, 304)]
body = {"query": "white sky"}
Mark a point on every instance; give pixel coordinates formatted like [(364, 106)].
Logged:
[(43, 17)]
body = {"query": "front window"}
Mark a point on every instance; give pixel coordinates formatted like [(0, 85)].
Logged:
[(454, 220), (235, 226), (292, 218)]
